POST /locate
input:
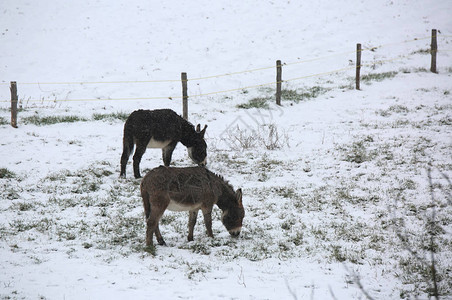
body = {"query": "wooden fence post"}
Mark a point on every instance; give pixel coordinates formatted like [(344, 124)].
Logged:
[(184, 96), (278, 82), (14, 100), (358, 65), (433, 51)]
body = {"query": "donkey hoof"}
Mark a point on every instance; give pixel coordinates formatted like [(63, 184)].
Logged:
[(162, 243)]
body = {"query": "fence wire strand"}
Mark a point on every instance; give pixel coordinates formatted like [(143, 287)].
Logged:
[(229, 74), (225, 74)]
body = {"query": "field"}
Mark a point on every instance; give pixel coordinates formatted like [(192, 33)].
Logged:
[(347, 193)]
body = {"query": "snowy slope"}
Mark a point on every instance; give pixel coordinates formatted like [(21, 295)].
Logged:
[(325, 210)]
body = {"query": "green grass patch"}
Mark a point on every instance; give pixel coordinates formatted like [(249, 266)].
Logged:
[(122, 116), (414, 70), (398, 109), (303, 94), (421, 51), (358, 151), (313, 92), (290, 95), (50, 120), (258, 102), (286, 95), (5, 173), (377, 76)]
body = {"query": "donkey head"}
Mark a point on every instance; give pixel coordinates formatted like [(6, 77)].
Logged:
[(198, 151), (232, 217)]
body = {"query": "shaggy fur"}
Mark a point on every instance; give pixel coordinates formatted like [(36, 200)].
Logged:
[(189, 189), (161, 128)]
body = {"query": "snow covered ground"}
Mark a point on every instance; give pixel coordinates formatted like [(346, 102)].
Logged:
[(336, 181)]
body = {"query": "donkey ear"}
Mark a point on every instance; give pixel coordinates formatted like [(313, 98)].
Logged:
[(203, 131), (239, 196), (198, 128)]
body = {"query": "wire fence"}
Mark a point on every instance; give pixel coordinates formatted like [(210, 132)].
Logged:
[(223, 91)]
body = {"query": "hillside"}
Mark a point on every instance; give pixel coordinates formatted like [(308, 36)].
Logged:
[(346, 192)]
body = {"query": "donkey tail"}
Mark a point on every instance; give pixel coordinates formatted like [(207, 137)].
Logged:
[(146, 203), (127, 144), (127, 148)]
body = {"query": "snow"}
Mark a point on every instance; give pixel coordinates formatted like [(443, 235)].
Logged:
[(323, 209)]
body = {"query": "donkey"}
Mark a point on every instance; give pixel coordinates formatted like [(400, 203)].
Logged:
[(160, 128), (189, 189)]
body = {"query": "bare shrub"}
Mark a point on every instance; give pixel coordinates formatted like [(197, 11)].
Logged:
[(423, 265), (249, 138), (241, 139), (271, 138)]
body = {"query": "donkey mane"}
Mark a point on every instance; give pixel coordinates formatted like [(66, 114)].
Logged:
[(228, 185), (227, 190)]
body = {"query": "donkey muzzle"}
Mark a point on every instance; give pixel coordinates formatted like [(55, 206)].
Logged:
[(203, 163), (235, 232)]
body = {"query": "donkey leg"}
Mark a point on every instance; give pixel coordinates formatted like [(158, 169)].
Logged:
[(167, 153), (153, 226), (192, 216), (141, 148), (149, 232), (207, 213), (158, 205), (159, 237)]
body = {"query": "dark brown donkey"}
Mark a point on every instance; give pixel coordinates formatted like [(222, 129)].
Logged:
[(189, 189), (160, 128)]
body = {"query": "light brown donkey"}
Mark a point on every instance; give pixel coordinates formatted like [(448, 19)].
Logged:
[(189, 189)]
